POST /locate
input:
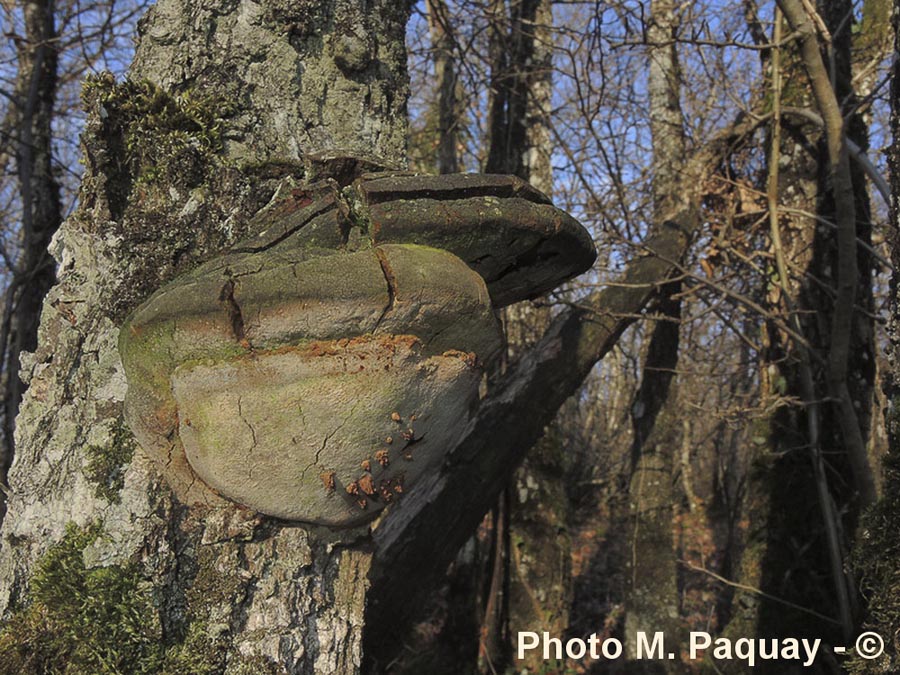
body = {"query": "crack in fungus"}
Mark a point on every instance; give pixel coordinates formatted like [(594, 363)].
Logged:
[(391, 284), (226, 296)]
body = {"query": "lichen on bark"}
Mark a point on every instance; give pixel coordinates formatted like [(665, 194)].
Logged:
[(106, 464), (305, 77)]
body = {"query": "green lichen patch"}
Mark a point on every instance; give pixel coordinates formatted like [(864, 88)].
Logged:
[(80, 621), (213, 585), (358, 213), (106, 464)]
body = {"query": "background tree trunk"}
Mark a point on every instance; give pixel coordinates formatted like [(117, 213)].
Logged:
[(652, 600), (448, 107), (875, 558), (535, 584), (785, 484), (29, 118)]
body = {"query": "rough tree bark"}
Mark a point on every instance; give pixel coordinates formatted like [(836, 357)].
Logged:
[(267, 84)]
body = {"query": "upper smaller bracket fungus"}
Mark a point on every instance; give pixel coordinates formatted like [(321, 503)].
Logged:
[(318, 369), (502, 227)]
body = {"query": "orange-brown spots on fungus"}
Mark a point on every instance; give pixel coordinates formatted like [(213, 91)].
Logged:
[(389, 488), (328, 481), (469, 358), (366, 484)]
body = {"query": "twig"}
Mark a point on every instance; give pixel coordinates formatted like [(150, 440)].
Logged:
[(759, 592)]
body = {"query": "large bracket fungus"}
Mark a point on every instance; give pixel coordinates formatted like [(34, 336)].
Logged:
[(317, 369)]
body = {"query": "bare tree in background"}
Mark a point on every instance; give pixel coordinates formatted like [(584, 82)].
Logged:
[(445, 73), (653, 599), (51, 45), (29, 142)]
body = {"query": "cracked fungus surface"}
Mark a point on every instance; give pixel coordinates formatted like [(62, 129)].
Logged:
[(297, 415), (316, 370), (256, 393)]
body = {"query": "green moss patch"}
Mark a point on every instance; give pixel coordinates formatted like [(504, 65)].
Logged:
[(160, 131), (100, 621), (875, 562), (82, 620), (196, 655)]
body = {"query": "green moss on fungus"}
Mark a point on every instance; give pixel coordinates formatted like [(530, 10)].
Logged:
[(106, 464)]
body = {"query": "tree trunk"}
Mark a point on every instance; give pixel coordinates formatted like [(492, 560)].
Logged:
[(804, 179), (535, 548), (445, 74), (33, 273), (268, 87), (782, 498), (875, 559), (512, 53), (652, 597)]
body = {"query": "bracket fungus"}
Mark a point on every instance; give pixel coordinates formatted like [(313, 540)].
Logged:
[(317, 369)]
